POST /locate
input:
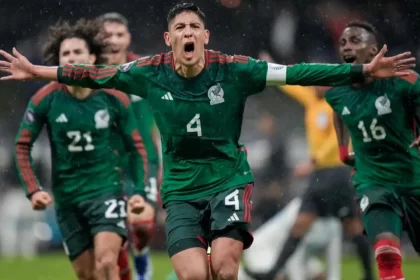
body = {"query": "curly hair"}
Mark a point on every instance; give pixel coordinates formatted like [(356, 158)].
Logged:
[(88, 30)]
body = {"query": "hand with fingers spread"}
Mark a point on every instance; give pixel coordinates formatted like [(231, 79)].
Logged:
[(17, 65), (40, 200), (136, 204), (387, 67)]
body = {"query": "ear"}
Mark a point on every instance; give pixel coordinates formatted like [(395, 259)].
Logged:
[(92, 59), (166, 37), (207, 36), (374, 50)]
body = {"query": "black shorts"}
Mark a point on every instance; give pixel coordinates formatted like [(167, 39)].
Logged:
[(330, 194)]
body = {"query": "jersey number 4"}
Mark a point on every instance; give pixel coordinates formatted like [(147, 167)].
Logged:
[(76, 136), (195, 125), (377, 132)]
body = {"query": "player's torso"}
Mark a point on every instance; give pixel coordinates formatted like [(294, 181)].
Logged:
[(80, 136), (200, 123), (381, 127)]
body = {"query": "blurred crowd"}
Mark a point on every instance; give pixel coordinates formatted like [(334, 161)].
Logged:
[(288, 31)]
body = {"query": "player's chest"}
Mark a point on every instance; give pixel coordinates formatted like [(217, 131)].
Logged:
[(95, 116)]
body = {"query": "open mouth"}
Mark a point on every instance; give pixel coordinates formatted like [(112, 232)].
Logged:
[(189, 49), (349, 58)]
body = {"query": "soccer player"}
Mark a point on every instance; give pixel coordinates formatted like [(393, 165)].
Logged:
[(269, 239), (379, 116), (198, 98), (141, 227), (86, 186), (329, 192)]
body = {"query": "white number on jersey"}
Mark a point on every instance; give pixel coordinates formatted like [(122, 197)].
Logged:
[(76, 136), (116, 209), (232, 199), (195, 125), (377, 132), (152, 190)]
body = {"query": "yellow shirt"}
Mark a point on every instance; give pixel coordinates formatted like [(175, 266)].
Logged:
[(320, 131)]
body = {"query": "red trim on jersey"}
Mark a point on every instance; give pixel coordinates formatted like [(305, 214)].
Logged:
[(206, 52), (411, 78), (132, 56), (45, 91), (125, 100), (246, 199), (218, 57), (138, 143), (23, 160), (243, 148), (202, 240), (77, 72), (156, 60)]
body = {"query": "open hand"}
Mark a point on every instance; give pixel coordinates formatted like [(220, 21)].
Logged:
[(17, 66), (387, 67)]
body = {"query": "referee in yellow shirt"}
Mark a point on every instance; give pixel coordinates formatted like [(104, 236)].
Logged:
[(329, 193)]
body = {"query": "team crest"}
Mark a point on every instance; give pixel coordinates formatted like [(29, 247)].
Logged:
[(216, 94), (102, 119), (127, 66), (383, 105)]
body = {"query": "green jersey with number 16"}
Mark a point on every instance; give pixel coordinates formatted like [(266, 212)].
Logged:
[(200, 118), (83, 163), (380, 118)]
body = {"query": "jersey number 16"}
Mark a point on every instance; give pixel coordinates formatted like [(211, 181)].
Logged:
[(377, 132)]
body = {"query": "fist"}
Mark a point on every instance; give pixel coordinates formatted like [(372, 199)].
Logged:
[(136, 204), (40, 200)]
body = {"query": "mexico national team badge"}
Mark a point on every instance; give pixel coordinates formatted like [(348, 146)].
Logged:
[(383, 105), (216, 94), (127, 66), (102, 119)]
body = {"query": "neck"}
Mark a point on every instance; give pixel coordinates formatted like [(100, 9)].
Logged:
[(79, 93), (190, 71)]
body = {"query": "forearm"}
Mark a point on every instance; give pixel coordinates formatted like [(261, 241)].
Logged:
[(316, 74), (25, 169), (48, 73)]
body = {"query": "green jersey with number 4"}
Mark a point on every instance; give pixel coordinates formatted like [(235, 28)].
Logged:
[(200, 119), (380, 118), (83, 163)]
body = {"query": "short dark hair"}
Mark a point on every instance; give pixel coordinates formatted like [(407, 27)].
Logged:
[(185, 7), (88, 30), (113, 17), (366, 26)]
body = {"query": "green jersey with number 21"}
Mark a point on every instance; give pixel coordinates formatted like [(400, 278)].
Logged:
[(200, 119), (380, 118)]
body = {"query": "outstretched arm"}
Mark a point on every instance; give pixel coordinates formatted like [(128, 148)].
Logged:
[(340, 74), (343, 139)]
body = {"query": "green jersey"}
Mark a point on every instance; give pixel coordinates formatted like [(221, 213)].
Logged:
[(380, 119), (83, 162), (200, 119)]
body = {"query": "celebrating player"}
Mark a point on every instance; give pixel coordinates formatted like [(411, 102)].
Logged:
[(379, 116), (141, 227), (198, 98), (329, 192), (86, 184)]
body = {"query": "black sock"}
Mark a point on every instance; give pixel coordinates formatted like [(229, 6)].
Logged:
[(288, 250), (364, 252)]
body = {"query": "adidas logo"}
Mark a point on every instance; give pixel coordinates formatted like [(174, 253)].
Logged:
[(233, 218), (167, 96), (121, 224), (346, 111), (61, 119)]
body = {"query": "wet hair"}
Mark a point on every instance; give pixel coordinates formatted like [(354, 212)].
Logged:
[(88, 30), (114, 18), (366, 26), (184, 7)]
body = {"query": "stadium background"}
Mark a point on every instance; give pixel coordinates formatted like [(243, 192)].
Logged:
[(290, 31)]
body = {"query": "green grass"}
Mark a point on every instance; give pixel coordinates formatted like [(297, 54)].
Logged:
[(56, 267)]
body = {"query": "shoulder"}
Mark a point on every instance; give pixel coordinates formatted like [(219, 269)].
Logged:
[(132, 56), (333, 94), (45, 92), (221, 58), (155, 60), (410, 78), (119, 96)]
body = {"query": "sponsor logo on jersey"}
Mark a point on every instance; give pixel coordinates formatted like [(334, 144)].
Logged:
[(102, 119), (167, 96), (345, 112), (61, 118), (216, 94), (383, 105), (127, 66), (30, 116)]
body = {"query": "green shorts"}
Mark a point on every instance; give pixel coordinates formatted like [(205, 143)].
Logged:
[(197, 223), (80, 222), (407, 208)]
